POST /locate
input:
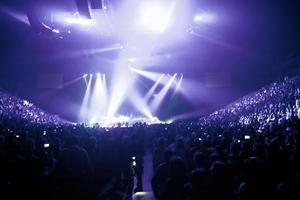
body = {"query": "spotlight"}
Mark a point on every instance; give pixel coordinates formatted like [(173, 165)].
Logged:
[(153, 88), (84, 106), (155, 16), (132, 60), (204, 18), (97, 109), (55, 31), (178, 85), (162, 94), (79, 21)]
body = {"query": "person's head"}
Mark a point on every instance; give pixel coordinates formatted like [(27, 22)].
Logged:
[(92, 143), (168, 155), (199, 159), (2, 142), (177, 168), (179, 144), (274, 147), (235, 148), (30, 146), (253, 170), (199, 177), (219, 170), (259, 150), (74, 140)]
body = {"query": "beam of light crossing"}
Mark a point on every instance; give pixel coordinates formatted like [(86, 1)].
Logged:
[(67, 84), (84, 106), (139, 103), (123, 80), (90, 52), (161, 95), (104, 93), (153, 88), (154, 76), (14, 14), (150, 75), (155, 16), (84, 76), (96, 101), (178, 87)]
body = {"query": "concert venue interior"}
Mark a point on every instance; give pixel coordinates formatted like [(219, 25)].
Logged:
[(149, 99)]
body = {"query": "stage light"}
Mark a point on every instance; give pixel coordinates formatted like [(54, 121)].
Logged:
[(71, 82), (148, 74), (84, 77), (178, 85), (204, 18), (123, 79), (97, 108), (55, 31), (132, 60), (155, 16), (77, 20), (84, 106), (169, 121), (153, 88), (139, 103), (161, 95), (19, 16)]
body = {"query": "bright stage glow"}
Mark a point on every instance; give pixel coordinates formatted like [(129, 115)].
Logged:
[(55, 31), (140, 104), (178, 85), (85, 103), (155, 16), (124, 120), (97, 109), (136, 22), (204, 18), (148, 74), (78, 20), (123, 80), (155, 76)]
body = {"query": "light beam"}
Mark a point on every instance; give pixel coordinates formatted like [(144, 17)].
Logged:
[(161, 95), (153, 88), (84, 106)]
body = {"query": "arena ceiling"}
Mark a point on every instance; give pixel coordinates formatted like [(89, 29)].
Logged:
[(250, 43)]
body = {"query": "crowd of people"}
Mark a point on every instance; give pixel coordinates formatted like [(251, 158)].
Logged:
[(248, 150), (44, 157), (274, 103), (14, 108)]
